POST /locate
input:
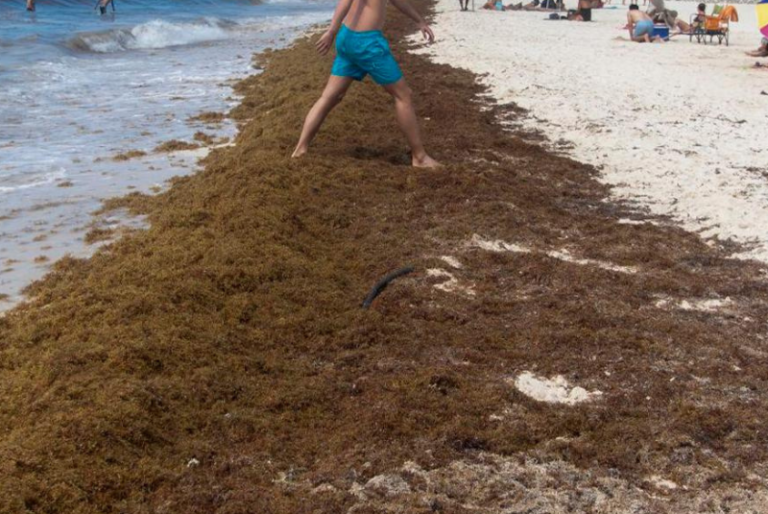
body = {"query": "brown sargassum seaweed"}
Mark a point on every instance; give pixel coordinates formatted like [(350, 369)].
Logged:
[(220, 361)]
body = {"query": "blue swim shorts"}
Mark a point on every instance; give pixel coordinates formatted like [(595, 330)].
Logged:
[(643, 27), (365, 53)]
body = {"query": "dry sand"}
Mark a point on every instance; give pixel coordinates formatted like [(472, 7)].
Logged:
[(552, 390), (678, 128)]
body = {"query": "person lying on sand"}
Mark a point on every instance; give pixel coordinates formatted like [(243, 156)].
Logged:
[(536, 5), (361, 50), (762, 50), (494, 5), (640, 25)]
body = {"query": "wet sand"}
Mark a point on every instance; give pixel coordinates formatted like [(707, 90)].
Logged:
[(220, 360)]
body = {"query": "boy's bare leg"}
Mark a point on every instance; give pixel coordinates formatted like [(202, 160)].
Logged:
[(332, 94), (409, 124)]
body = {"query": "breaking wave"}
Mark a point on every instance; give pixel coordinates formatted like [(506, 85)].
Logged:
[(151, 35), (47, 178)]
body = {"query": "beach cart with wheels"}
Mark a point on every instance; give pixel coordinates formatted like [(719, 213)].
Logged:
[(714, 27)]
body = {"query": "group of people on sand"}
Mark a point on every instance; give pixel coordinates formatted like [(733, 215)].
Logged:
[(583, 12), (640, 24), (534, 5), (101, 5)]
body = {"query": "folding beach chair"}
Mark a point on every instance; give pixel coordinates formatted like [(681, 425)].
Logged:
[(716, 26)]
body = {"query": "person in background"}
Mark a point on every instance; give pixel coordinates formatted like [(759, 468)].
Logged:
[(584, 11), (640, 25), (31, 5), (660, 14), (103, 4), (700, 17), (537, 5), (762, 50), (494, 5), (464, 4)]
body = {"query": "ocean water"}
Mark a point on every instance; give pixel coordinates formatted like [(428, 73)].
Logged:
[(77, 88)]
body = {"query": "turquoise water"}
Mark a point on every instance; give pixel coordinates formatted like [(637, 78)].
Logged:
[(77, 87)]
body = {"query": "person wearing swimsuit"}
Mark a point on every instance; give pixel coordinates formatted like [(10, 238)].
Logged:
[(362, 49)]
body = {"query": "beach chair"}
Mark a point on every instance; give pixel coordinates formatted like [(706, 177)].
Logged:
[(716, 26)]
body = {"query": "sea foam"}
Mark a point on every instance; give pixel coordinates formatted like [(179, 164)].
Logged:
[(152, 35)]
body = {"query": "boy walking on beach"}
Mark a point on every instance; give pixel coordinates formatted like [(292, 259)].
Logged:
[(361, 50)]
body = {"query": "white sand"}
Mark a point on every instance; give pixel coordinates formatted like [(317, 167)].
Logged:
[(679, 128), (451, 261), (552, 390), (563, 254), (693, 304), (450, 284)]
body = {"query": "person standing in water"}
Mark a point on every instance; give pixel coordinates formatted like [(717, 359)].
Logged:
[(361, 50), (103, 4), (31, 5)]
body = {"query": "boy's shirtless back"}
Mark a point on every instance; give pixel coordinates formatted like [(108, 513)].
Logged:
[(366, 15), (640, 25), (637, 15)]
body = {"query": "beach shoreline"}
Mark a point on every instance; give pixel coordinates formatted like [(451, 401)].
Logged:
[(156, 125), (220, 361)]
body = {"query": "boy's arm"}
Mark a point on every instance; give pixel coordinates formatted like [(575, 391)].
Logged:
[(326, 40), (406, 8)]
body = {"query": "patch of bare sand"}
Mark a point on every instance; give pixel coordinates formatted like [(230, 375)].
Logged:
[(552, 390)]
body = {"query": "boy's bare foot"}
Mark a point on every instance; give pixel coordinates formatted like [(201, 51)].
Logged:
[(298, 152), (425, 162)]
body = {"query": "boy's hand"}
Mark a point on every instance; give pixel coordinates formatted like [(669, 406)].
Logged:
[(426, 31), (324, 43)]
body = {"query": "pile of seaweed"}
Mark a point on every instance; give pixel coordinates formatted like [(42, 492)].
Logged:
[(220, 361)]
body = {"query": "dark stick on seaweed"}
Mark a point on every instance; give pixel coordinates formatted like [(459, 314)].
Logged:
[(382, 284)]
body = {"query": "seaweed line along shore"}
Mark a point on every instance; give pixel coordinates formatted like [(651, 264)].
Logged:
[(543, 356)]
